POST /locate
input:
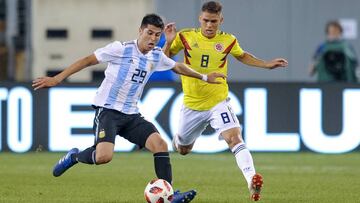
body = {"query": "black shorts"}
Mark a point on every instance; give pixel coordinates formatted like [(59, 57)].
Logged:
[(108, 123)]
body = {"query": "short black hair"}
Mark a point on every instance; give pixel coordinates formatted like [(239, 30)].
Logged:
[(212, 7), (152, 19), (334, 23)]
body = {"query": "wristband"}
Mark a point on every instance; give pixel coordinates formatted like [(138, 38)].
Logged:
[(204, 77)]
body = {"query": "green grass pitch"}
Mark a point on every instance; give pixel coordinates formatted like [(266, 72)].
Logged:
[(288, 177)]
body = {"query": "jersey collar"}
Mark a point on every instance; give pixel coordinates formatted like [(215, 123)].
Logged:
[(208, 39), (138, 50)]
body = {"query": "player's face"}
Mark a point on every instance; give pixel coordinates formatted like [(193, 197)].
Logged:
[(210, 23), (148, 38)]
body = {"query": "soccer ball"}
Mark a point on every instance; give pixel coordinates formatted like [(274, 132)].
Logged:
[(159, 191)]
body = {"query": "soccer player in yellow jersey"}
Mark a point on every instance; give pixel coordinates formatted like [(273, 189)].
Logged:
[(206, 50)]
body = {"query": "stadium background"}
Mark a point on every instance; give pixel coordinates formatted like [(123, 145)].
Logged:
[(44, 36), (296, 113), (48, 35)]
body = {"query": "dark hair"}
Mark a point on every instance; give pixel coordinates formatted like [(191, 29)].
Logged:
[(212, 7), (335, 24), (152, 19)]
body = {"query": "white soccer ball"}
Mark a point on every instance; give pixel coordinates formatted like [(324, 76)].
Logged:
[(158, 191)]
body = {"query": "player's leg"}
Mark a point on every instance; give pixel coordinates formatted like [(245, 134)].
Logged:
[(73, 156), (105, 128), (144, 134), (229, 128), (100, 154), (159, 148), (181, 148), (102, 151), (242, 154), (191, 124), (244, 161)]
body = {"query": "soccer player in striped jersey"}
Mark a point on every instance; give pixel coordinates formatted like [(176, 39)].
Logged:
[(206, 50), (130, 65)]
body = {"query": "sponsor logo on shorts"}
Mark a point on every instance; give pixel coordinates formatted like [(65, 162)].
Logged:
[(102, 133)]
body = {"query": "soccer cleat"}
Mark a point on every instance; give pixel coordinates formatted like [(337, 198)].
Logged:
[(65, 163), (183, 197), (255, 187)]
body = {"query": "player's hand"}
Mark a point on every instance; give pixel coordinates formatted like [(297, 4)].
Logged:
[(44, 82), (275, 63), (211, 78), (170, 32)]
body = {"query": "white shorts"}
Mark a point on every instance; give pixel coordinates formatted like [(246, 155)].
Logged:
[(192, 123)]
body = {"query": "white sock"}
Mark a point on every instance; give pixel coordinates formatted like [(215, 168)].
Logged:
[(244, 161)]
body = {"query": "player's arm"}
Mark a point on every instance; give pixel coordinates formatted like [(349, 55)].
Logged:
[(166, 48), (43, 82), (251, 60), (182, 69), (170, 34)]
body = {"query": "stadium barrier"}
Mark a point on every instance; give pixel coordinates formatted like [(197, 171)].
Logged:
[(276, 117)]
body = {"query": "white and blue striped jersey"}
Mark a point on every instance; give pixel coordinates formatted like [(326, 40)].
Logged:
[(127, 73)]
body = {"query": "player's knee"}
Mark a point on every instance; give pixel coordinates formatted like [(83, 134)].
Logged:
[(232, 136), (184, 150), (161, 146), (103, 158), (158, 145), (234, 140)]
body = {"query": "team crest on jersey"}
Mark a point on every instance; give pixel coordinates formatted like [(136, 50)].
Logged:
[(219, 47), (102, 133)]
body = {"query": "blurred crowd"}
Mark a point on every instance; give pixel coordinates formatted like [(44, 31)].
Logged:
[(334, 59)]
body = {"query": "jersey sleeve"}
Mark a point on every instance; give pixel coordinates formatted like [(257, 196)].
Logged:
[(109, 53), (165, 63), (176, 45), (236, 50)]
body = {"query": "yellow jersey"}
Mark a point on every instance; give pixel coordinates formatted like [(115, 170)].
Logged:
[(205, 56)]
